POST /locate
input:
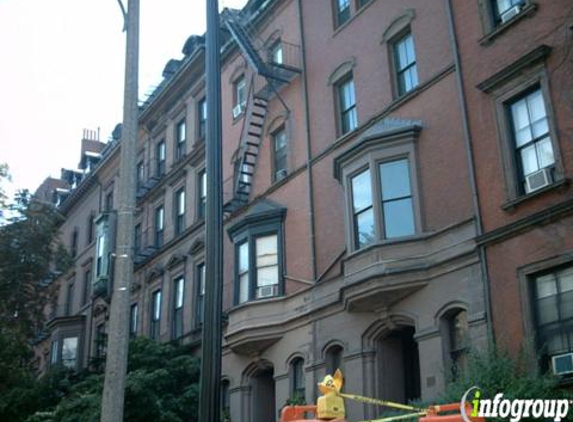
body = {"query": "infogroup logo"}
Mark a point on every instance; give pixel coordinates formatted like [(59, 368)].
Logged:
[(513, 409)]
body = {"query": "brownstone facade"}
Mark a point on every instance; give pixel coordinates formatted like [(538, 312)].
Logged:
[(368, 198)]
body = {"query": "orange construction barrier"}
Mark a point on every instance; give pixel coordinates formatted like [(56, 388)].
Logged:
[(299, 414), (434, 415)]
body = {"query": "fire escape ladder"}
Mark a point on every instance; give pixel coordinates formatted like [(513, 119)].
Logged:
[(248, 151), (269, 76)]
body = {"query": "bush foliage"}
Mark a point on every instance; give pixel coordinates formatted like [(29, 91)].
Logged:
[(162, 386)]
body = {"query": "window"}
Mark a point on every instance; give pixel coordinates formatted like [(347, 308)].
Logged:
[(74, 243), (108, 206), (140, 175), (276, 53), (396, 203), (178, 289), (202, 188), (90, 230), (405, 64), (133, 319), (530, 131), (279, 154), (260, 273), (362, 209), (70, 352), (297, 379), (202, 119), (54, 352), (397, 206), (180, 138), (258, 240), (240, 96), (457, 323), (333, 357), (87, 286), (155, 314), (159, 224), (348, 120), (504, 10), (100, 341), (100, 256), (160, 157), (225, 401), (362, 3), (200, 293), (243, 272), (137, 239), (341, 11), (267, 266), (379, 181), (179, 211), (70, 299), (553, 308)]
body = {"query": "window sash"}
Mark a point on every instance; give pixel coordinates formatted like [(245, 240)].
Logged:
[(161, 154), (240, 92), (202, 110), (553, 302), (87, 285), (70, 352), (280, 153), (342, 11), (347, 105), (530, 131), (202, 193), (159, 225), (179, 287), (140, 174), (405, 63), (133, 319), (397, 203), (200, 292)]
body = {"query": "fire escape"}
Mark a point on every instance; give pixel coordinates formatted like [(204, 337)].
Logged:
[(274, 66)]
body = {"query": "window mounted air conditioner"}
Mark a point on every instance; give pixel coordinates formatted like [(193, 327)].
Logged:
[(281, 174), (511, 13), (562, 364), (237, 110), (267, 291), (538, 180)]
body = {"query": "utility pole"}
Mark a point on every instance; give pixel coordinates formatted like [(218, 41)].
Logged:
[(210, 399), (118, 335)]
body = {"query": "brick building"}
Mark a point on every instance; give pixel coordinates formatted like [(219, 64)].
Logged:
[(362, 211)]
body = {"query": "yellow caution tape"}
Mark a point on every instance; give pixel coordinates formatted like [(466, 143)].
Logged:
[(377, 402), (397, 418)]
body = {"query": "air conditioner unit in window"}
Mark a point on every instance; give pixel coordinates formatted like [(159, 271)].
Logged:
[(511, 13), (267, 291), (281, 174), (237, 110), (538, 180), (562, 364)]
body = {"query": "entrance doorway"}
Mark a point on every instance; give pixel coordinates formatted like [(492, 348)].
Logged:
[(263, 397), (399, 366)]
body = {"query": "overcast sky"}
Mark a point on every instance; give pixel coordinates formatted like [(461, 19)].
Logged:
[(61, 71)]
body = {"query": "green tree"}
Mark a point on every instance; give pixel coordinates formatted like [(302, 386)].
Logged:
[(162, 386), (29, 251)]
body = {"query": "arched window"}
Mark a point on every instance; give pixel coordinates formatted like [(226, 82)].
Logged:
[(457, 341), (333, 358), (225, 401), (297, 379)]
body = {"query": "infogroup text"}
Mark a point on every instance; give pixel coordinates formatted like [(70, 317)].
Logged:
[(514, 409)]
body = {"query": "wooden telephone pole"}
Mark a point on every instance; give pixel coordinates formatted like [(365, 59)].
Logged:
[(118, 333)]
